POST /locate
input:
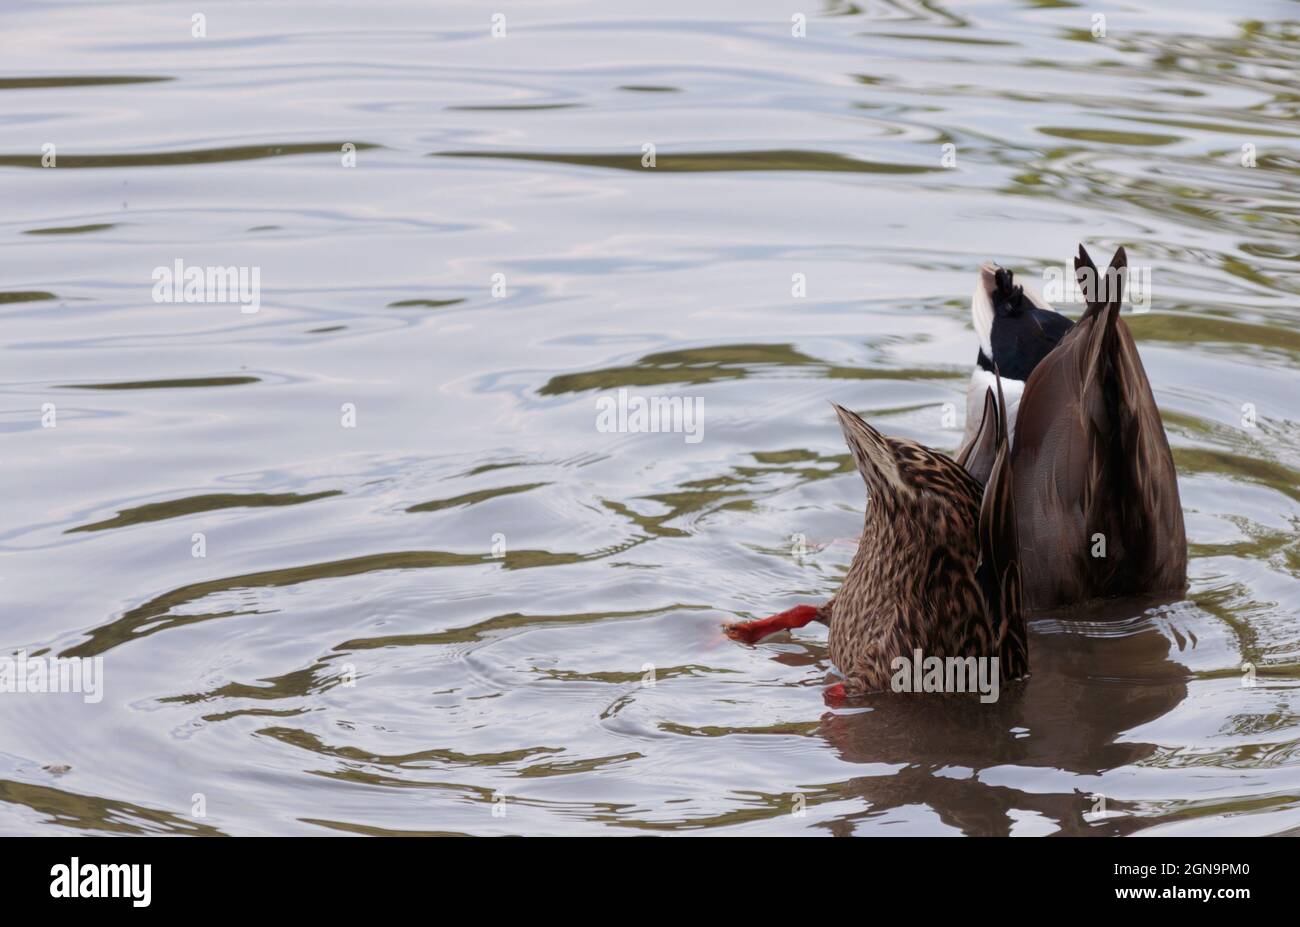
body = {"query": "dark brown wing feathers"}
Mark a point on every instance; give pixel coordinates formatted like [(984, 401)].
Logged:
[(999, 568), (977, 456), (1096, 491)]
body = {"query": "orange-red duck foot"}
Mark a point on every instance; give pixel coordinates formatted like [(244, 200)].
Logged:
[(751, 632), (834, 696)]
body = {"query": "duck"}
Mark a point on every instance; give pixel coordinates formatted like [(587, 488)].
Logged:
[(936, 571), (1064, 468), (1096, 491), (1016, 328)]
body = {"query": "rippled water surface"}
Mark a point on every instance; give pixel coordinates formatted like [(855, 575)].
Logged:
[(451, 608)]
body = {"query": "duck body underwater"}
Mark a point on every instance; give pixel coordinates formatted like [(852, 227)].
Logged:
[(1063, 492)]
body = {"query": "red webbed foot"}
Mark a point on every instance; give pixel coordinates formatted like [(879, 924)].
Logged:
[(751, 632), (835, 696)]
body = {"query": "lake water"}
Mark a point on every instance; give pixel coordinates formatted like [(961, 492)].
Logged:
[(432, 592)]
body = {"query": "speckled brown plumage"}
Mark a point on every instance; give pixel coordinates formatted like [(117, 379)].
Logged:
[(936, 569)]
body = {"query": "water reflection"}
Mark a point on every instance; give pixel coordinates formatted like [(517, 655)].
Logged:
[(968, 761)]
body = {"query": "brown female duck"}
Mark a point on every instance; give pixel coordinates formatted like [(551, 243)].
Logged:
[(935, 571)]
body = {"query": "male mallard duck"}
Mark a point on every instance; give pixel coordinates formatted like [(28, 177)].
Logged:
[(1096, 491), (1016, 329), (936, 569)]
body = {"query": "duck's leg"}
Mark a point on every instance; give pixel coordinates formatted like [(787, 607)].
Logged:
[(751, 632)]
